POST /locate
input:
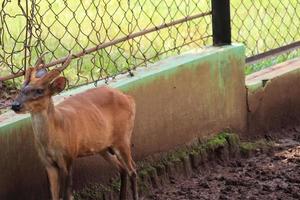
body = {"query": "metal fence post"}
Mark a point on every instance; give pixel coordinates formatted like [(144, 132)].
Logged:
[(221, 22)]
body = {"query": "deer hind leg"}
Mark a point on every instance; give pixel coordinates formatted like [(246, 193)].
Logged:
[(110, 156), (133, 180), (123, 154)]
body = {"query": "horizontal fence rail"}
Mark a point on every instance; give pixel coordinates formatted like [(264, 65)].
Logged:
[(115, 42), (273, 52), (107, 37), (265, 26)]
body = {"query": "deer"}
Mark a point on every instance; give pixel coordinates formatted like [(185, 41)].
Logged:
[(97, 121)]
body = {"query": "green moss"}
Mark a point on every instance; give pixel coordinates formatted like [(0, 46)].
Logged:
[(142, 174), (159, 165), (173, 157), (143, 188), (203, 154), (233, 139), (144, 168), (178, 155), (93, 191), (116, 185), (218, 141), (203, 148), (247, 148), (215, 143)]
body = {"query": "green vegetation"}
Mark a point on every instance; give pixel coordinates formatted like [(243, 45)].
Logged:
[(205, 149), (91, 191), (59, 26), (218, 141), (84, 24), (270, 62), (246, 148), (210, 145)]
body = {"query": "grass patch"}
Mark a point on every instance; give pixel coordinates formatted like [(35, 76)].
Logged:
[(60, 26), (272, 61)]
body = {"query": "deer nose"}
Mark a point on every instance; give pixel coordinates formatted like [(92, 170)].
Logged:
[(16, 106)]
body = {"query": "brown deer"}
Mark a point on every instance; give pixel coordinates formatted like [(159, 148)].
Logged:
[(97, 121)]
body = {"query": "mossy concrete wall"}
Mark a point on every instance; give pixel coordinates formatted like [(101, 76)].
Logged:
[(274, 98), (179, 99)]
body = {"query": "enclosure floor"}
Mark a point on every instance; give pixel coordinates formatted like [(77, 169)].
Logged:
[(274, 175)]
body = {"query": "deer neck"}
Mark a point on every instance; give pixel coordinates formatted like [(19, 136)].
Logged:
[(43, 123)]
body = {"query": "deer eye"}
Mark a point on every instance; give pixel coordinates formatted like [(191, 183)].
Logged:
[(39, 91)]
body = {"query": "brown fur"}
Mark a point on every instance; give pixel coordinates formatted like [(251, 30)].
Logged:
[(98, 121)]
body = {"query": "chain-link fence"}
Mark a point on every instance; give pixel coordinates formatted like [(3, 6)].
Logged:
[(108, 36), (264, 25)]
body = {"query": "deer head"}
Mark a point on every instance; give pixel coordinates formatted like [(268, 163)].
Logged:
[(38, 87)]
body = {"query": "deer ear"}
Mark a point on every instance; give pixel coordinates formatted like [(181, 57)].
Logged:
[(58, 85), (48, 77)]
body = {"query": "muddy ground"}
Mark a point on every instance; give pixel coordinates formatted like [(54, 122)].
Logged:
[(272, 175)]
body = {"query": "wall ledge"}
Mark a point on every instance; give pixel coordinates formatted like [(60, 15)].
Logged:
[(121, 81)]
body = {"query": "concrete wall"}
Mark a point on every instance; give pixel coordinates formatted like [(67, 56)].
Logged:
[(274, 98), (194, 95)]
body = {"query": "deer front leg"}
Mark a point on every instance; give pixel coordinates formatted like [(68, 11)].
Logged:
[(68, 194), (53, 177), (65, 166)]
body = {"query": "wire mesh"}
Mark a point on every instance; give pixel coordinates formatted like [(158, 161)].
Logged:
[(116, 36), (264, 25), (123, 34)]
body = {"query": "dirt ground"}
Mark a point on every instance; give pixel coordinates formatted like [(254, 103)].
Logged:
[(273, 175), (7, 93)]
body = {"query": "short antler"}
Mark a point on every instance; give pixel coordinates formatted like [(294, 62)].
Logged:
[(66, 63), (40, 61)]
